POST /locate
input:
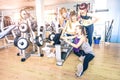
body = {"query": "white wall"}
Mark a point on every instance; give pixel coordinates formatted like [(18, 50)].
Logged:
[(103, 17), (113, 13), (15, 13), (114, 7)]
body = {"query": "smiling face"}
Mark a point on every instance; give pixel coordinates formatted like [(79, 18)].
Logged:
[(73, 18), (64, 15), (83, 12), (63, 12), (83, 9), (78, 30)]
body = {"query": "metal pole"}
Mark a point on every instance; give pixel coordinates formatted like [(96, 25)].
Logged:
[(39, 14)]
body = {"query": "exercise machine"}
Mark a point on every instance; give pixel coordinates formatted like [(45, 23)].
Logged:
[(63, 50), (28, 43), (6, 32), (62, 53), (30, 39)]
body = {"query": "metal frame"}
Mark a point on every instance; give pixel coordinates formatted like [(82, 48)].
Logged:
[(25, 55)]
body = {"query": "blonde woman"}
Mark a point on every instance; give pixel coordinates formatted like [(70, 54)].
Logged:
[(71, 24), (63, 17)]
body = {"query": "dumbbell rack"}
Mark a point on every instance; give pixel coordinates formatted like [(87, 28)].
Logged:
[(26, 39)]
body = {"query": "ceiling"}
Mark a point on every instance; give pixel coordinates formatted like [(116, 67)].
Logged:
[(15, 4)]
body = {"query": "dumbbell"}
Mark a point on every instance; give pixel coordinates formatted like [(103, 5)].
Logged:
[(15, 41), (22, 43), (23, 27), (39, 40)]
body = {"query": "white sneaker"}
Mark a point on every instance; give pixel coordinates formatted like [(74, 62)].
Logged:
[(79, 70)]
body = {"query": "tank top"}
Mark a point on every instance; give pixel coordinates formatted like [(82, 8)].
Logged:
[(85, 47), (72, 29), (86, 18), (76, 40)]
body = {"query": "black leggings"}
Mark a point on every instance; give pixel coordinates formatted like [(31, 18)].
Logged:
[(87, 59), (56, 39), (80, 53)]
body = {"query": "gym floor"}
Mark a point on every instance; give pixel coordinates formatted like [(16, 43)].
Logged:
[(105, 66)]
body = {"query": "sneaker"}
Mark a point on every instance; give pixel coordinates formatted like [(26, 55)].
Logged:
[(81, 58), (79, 70)]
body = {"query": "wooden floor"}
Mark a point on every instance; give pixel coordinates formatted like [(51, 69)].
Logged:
[(105, 66)]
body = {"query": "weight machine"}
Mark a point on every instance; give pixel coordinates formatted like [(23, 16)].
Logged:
[(27, 40), (63, 50), (6, 29)]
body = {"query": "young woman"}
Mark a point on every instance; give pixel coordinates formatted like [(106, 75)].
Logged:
[(87, 20), (71, 24), (56, 40), (82, 44), (63, 17)]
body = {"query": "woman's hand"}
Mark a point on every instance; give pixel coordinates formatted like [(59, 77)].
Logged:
[(64, 38)]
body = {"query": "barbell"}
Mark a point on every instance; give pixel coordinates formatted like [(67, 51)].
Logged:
[(23, 43)]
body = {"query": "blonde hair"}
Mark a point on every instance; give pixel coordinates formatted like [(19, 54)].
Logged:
[(72, 13), (83, 31), (63, 10)]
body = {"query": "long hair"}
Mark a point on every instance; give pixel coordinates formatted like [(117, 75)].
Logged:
[(83, 31), (72, 13), (63, 10)]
